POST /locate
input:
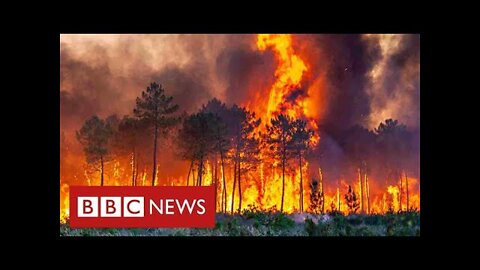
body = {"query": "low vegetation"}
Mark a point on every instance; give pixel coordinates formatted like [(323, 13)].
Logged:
[(270, 222)]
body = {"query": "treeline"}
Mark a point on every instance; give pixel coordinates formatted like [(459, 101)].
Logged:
[(389, 154), (224, 136), (215, 132)]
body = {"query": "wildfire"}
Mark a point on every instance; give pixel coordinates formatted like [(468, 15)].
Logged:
[(290, 95), (286, 94), (393, 191), (64, 202), (288, 74)]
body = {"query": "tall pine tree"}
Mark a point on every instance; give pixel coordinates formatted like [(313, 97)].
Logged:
[(157, 110)]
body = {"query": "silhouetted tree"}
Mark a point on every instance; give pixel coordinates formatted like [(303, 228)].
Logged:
[(359, 145), (394, 145), (196, 139), (316, 198), (245, 145), (222, 140), (301, 143), (279, 138), (95, 136), (352, 200), (128, 140), (156, 109)]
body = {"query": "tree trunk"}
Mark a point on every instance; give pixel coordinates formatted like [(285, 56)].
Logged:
[(224, 194), (155, 153), (193, 175), (213, 168), (338, 200), (361, 190), (301, 182), (200, 172), (283, 181), (189, 171), (400, 193), (322, 190), (222, 202), (144, 173), (136, 172), (239, 188), (367, 192), (101, 171), (214, 179), (234, 183), (406, 187), (385, 194), (133, 167)]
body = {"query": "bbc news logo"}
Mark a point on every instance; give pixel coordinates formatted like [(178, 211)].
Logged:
[(111, 206), (142, 207)]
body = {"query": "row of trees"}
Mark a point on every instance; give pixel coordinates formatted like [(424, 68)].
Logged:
[(154, 112), (228, 136), (231, 133), (214, 132), (389, 148)]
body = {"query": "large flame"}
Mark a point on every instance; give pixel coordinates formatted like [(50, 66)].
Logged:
[(64, 202), (288, 74), (286, 94)]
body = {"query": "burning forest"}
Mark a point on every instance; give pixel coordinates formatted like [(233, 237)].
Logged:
[(290, 123)]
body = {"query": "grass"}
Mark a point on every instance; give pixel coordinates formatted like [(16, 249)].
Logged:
[(270, 222)]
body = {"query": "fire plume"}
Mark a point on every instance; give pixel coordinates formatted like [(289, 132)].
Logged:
[(288, 74), (286, 94)]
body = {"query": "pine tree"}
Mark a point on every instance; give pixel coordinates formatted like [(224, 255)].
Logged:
[(301, 144), (316, 198), (352, 200), (279, 138), (245, 146), (95, 136), (156, 109)]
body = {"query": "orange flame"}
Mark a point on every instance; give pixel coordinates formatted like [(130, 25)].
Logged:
[(64, 202), (288, 73)]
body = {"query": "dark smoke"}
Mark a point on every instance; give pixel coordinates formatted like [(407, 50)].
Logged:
[(243, 70), (346, 60), (86, 88), (187, 87)]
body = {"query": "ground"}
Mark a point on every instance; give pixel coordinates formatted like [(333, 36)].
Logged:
[(260, 223)]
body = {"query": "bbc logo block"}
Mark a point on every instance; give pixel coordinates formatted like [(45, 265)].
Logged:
[(142, 207), (110, 206)]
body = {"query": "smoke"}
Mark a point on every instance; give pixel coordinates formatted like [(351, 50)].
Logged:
[(364, 80), (367, 78), (103, 74), (394, 79), (86, 88), (351, 79), (336, 77), (245, 72)]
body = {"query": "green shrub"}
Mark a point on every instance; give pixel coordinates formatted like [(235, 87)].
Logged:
[(321, 229), (281, 221), (374, 220), (340, 221), (270, 222), (361, 231), (355, 220), (270, 218)]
